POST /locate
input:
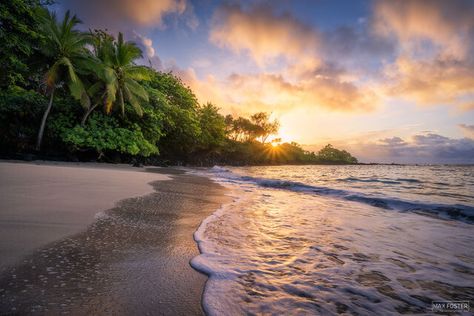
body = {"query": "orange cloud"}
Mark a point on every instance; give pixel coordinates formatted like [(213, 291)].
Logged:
[(263, 35), (150, 12), (283, 42), (269, 92), (432, 82), (115, 14), (435, 64)]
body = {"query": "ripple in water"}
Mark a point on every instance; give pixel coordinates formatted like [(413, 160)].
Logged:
[(274, 250)]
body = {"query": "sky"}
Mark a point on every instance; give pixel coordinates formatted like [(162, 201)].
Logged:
[(388, 80)]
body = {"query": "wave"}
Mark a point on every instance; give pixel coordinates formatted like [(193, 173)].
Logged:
[(384, 181), (410, 180), (457, 211), (351, 179), (218, 169)]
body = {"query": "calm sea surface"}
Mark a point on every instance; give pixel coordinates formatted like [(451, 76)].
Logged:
[(339, 239)]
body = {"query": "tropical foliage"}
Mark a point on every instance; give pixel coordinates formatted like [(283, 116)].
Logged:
[(88, 97)]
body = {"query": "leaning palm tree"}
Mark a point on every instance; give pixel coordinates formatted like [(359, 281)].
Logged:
[(66, 48), (117, 79)]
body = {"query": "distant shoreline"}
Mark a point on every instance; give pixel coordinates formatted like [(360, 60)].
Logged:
[(58, 160)]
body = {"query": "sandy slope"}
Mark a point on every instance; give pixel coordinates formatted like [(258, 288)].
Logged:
[(41, 203)]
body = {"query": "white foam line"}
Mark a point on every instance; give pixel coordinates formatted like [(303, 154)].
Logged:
[(204, 262)]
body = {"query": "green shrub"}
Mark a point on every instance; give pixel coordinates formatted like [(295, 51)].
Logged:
[(103, 133)]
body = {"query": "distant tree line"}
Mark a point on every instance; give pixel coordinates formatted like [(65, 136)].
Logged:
[(76, 95)]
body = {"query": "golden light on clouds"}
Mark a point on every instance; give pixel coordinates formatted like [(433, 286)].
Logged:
[(263, 35), (435, 64), (299, 77), (272, 93), (115, 14), (446, 25), (432, 82), (150, 12)]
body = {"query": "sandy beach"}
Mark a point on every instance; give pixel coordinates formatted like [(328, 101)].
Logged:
[(58, 256)]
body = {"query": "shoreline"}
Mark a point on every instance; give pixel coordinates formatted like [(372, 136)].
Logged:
[(134, 259), (45, 160)]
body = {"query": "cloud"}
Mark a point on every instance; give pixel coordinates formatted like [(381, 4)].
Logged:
[(150, 56), (357, 48), (433, 82), (246, 93), (294, 62), (114, 14), (419, 148), (442, 149), (280, 39), (422, 51), (393, 141), (263, 34), (435, 63), (146, 44), (446, 24), (468, 130), (192, 21)]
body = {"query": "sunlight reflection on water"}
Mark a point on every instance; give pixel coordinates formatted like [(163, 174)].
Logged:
[(274, 251)]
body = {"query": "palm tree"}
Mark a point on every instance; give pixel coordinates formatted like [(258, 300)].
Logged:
[(117, 79), (66, 48), (102, 45)]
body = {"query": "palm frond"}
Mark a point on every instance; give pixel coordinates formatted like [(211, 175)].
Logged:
[(111, 87), (133, 101), (75, 84), (87, 64), (109, 75), (94, 89), (126, 52), (136, 89), (53, 74), (137, 72), (110, 97), (85, 100)]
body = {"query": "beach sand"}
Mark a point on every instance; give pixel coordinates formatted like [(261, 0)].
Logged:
[(41, 203), (132, 260)]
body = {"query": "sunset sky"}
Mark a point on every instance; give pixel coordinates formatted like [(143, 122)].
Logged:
[(391, 81)]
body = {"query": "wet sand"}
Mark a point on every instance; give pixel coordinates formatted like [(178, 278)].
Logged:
[(133, 261), (46, 201)]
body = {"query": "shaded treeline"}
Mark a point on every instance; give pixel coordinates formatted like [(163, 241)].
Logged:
[(76, 95)]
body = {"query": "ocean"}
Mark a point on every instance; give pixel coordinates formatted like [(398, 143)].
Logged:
[(359, 239)]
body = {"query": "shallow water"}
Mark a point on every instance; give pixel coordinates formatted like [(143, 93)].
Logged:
[(339, 239)]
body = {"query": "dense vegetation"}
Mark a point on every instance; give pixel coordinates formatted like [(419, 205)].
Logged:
[(83, 96)]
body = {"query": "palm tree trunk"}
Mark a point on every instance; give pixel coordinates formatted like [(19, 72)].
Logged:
[(43, 121), (86, 115), (122, 103)]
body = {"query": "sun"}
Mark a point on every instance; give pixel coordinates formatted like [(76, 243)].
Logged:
[(275, 144)]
